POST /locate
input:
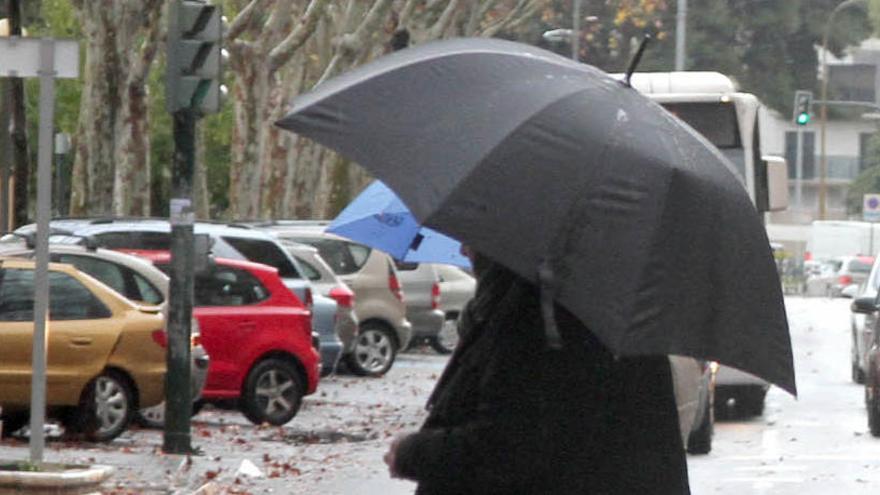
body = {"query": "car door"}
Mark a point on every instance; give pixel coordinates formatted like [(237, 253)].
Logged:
[(80, 334), (224, 299), (16, 333)]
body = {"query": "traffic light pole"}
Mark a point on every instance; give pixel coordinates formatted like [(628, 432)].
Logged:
[(178, 396), (799, 167)]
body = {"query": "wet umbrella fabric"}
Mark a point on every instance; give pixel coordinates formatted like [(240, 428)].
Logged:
[(643, 228), (378, 218)]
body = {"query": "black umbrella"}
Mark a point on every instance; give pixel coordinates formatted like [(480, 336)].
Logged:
[(627, 216)]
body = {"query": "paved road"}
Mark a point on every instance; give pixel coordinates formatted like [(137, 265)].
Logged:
[(817, 444)]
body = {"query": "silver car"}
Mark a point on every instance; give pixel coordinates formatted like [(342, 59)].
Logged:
[(138, 280), (457, 287), (421, 291), (327, 284)]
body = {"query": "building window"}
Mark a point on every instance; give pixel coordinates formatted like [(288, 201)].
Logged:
[(809, 154), (864, 150)]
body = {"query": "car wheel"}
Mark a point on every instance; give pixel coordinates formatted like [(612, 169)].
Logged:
[(858, 376), (700, 439), (750, 402), (446, 340), (872, 404), (106, 408), (273, 392), (374, 351), (12, 422)]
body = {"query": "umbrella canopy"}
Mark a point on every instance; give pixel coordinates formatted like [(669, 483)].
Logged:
[(378, 218), (636, 223)]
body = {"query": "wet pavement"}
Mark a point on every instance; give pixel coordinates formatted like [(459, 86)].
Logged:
[(814, 445)]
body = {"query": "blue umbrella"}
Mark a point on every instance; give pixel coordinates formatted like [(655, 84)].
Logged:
[(378, 218)]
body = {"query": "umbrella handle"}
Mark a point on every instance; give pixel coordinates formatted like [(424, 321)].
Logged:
[(551, 331)]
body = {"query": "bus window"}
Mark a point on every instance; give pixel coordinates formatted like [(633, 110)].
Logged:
[(717, 122)]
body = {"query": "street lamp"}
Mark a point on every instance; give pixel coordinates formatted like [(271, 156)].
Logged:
[(823, 109)]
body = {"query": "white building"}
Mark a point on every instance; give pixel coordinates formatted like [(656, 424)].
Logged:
[(853, 78)]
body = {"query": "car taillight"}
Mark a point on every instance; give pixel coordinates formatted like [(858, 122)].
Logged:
[(309, 302), (195, 340), (845, 280), (394, 285), (435, 296), (343, 296), (161, 338)]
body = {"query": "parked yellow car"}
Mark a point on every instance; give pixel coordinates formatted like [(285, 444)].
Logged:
[(105, 355)]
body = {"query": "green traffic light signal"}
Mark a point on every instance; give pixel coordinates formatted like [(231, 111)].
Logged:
[(803, 119)]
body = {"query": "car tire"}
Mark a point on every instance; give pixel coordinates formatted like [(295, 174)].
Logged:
[(374, 351), (750, 402), (873, 407), (447, 338), (12, 422), (858, 375), (105, 410), (700, 439), (273, 392)]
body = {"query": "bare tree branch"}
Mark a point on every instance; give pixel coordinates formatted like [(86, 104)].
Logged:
[(369, 25), (282, 53), (150, 46), (245, 19), (505, 21), (406, 13), (443, 22)]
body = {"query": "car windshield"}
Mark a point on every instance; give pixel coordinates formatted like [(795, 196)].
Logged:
[(265, 252)]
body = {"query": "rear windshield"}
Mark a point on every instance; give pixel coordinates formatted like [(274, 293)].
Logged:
[(343, 257), (859, 266), (265, 252)]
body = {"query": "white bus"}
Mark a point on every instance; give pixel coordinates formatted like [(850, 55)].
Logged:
[(710, 103)]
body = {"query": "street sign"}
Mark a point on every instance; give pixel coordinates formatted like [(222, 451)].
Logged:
[(871, 208), (20, 57)]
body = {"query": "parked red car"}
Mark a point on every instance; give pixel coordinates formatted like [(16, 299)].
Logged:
[(259, 337)]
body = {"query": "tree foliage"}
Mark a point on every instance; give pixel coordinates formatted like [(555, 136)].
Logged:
[(279, 48)]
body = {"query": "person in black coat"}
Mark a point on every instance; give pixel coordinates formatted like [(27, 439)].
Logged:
[(511, 415)]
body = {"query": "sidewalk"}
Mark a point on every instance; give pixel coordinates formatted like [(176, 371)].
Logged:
[(334, 445)]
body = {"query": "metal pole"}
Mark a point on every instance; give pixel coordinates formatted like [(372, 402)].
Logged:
[(178, 396), (41, 277), (799, 168), (6, 158), (576, 30), (680, 32)]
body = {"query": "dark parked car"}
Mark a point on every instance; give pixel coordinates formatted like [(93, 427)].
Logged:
[(867, 305)]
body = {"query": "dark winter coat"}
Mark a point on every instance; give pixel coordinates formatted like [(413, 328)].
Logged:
[(509, 415)]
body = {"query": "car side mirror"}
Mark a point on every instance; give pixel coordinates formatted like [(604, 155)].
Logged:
[(771, 188), (850, 291), (864, 305)]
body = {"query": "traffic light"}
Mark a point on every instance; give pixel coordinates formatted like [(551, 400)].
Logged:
[(803, 100), (195, 57)]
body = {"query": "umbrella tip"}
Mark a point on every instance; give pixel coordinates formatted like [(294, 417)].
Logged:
[(636, 59)]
